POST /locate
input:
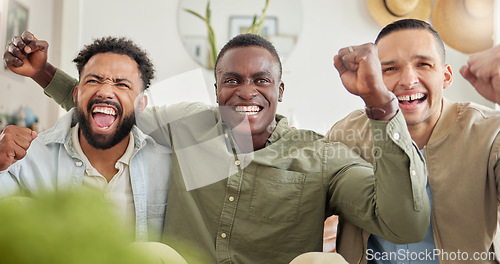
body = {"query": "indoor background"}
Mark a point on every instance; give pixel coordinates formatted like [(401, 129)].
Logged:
[(309, 33)]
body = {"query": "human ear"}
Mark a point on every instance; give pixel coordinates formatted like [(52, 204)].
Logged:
[(216, 97), (75, 93), (142, 102), (281, 90), (448, 76)]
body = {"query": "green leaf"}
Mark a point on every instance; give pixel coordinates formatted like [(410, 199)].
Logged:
[(196, 14)]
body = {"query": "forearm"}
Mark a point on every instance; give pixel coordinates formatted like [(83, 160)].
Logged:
[(60, 89), (45, 76), (401, 200), (393, 203)]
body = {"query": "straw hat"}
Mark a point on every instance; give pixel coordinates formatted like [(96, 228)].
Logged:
[(465, 25), (388, 11)]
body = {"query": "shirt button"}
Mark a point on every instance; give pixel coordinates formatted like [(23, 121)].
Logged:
[(226, 136), (237, 162), (223, 235), (79, 163), (413, 172), (396, 136), (231, 198)]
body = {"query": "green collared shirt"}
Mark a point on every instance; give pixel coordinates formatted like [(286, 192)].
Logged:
[(269, 206)]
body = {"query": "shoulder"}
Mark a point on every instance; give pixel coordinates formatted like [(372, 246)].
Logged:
[(478, 116), (354, 123), (190, 107), (147, 144), (153, 117), (356, 118), (177, 111), (59, 132), (473, 110)]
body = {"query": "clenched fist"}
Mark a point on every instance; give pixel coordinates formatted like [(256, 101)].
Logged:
[(27, 56), (14, 143)]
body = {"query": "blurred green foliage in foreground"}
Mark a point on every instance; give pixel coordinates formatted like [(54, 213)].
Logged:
[(65, 227)]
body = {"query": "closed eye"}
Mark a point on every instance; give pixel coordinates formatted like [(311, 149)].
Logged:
[(388, 69), (123, 85), (424, 64)]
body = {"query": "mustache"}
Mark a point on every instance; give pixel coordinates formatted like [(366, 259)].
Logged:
[(108, 102)]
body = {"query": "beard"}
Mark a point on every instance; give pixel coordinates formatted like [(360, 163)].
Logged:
[(100, 141)]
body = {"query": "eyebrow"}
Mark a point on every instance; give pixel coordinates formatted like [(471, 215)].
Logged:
[(420, 57), (229, 74), (266, 73), (100, 78)]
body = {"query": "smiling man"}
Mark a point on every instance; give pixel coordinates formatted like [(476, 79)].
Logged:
[(460, 142), (96, 144), (246, 188), (248, 98)]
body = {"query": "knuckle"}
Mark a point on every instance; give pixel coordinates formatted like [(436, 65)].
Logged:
[(8, 129)]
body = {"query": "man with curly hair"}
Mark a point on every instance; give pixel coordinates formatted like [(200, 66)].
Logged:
[(97, 144)]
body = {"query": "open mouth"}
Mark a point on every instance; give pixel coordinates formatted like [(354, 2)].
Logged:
[(248, 110), (104, 116), (415, 98)]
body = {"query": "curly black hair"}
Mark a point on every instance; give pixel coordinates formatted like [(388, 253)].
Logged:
[(121, 46), (247, 40)]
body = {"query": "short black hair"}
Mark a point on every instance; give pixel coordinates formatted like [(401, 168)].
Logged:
[(413, 24), (121, 46), (247, 40)]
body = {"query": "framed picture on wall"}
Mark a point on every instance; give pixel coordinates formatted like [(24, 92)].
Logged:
[(198, 47), (241, 24), (16, 20)]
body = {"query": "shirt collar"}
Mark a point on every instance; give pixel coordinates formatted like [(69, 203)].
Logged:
[(445, 122), (127, 156), (280, 130)]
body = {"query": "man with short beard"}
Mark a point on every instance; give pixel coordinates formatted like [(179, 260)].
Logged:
[(97, 144)]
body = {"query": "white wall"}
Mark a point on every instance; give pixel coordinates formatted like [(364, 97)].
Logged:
[(16, 91), (313, 91)]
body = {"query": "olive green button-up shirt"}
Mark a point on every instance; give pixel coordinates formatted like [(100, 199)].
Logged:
[(269, 206)]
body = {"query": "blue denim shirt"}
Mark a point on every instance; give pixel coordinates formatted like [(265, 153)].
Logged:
[(52, 164)]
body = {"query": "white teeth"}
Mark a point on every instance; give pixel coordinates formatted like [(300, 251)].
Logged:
[(104, 110), (411, 97), (404, 98), (247, 110)]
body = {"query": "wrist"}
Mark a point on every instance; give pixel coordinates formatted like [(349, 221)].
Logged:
[(45, 75), (384, 111)]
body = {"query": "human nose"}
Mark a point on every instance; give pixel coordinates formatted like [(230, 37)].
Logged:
[(106, 91), (408, 78), (247, 91)]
